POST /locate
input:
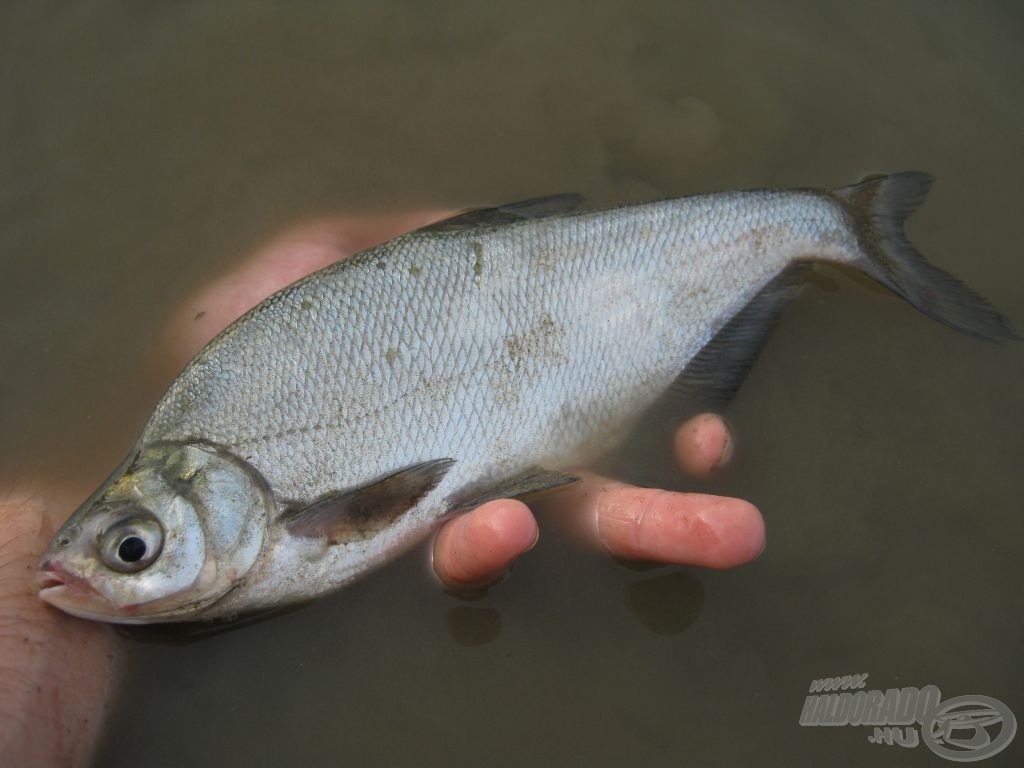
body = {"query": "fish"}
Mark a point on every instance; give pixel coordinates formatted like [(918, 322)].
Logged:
[(337, 423)]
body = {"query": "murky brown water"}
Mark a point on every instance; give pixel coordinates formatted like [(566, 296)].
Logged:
[(144, 147)]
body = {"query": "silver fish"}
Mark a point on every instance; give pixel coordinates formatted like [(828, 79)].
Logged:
[(336, 423)]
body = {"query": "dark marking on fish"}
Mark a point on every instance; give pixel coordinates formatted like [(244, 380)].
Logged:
[(542, 341), (478, 264), (361, 513)]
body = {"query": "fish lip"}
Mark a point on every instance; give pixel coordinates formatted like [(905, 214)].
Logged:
[(52, 594), (77, 597), (73, 595), (50, 577), (47, 582), (53, 581), (53, 591)]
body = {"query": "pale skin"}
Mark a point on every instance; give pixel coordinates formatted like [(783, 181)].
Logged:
[(57, 673)]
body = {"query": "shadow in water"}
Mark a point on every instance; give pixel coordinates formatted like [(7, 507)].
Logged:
[(188, 632), (473, 626), (666, 604)]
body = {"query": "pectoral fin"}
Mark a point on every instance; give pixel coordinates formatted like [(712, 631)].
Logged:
[(527, 486), (360, 513)]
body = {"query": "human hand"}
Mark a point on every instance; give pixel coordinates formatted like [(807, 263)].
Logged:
[(57, 673), (59, 670), (632, 523), (477, 548)]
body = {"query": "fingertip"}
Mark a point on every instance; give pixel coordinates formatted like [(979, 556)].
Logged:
[(680, 528), (703, 445), (476, 549), (505, 528), (740, 532)]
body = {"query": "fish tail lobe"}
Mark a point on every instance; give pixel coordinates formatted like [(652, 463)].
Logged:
[(878, 207)]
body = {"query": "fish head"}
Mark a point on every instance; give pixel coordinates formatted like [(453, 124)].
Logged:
[(171, 534)]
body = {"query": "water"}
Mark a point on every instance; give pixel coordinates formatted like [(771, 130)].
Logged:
[(146, 148)]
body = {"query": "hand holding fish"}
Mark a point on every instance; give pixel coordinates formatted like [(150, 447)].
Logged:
[(240, 466), (477, 548), (60, 670)]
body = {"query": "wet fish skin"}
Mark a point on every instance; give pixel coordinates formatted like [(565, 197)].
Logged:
[(488, 346)]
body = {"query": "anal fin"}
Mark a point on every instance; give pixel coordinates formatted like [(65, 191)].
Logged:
[(712, 378)]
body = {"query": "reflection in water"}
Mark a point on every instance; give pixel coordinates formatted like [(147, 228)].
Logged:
[(473, 626), (668, 604), (188, 632)]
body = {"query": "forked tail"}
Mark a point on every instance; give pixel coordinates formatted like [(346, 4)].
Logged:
[(878, 207)]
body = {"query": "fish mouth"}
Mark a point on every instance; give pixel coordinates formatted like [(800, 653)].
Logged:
[(71, 594), (50, 577), (54, 583), (47, 583), (77, 597)]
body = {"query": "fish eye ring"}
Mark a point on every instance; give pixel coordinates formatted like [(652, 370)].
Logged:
[(132, 544)]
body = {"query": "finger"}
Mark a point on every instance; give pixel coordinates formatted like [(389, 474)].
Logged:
[(703, 445), (476, 549), (662, 526), (293, 254)]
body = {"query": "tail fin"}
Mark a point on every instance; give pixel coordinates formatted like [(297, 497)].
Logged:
[(879, 206)]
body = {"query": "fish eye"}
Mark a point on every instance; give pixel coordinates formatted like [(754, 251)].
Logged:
[(132, 544), (131, 549)]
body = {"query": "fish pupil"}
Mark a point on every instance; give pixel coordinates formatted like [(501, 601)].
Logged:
[(132, 549)]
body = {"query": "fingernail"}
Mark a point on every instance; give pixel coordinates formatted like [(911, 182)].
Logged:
[(727, 449), (536, 538)]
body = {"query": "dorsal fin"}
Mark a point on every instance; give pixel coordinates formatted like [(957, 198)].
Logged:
[(510, 213)]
